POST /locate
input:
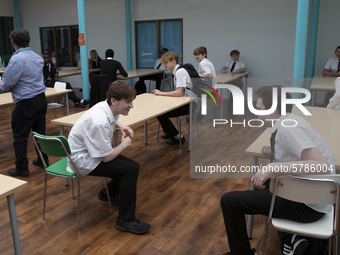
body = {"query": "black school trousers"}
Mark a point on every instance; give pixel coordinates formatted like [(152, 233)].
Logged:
[(238, 203), (124, 174), (28, 114)]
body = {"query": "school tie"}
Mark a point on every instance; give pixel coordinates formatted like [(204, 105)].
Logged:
[(338, 66), (272, 145), (233, 66)]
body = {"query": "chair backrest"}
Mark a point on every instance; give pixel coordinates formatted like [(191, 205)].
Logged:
[(56, 146), (314, 189), (60, 85), (99, 87)]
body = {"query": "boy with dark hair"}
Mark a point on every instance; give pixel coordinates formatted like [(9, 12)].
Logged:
[(184, 86), (110, 66), (206, 68), (50, 74), (90, 142), (292, 145), (24, 79), (234, 65), (332, 67), (140, 84)]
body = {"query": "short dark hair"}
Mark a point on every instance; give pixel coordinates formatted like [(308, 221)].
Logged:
[(165, 49), (109, 53), (120, 89), (337, 48), (201, 50), (266, 94), (234, 52), (20, 37)]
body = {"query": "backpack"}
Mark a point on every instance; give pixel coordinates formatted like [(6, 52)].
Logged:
[(195, 78), (140, 87)]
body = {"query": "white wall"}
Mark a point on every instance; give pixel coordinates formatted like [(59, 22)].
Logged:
[(262, 30), (7, 8)]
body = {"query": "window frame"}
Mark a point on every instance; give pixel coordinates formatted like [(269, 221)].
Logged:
[(158, 21), (69, 27)]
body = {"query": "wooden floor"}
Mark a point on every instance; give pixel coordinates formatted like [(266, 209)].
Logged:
[(184, 212)]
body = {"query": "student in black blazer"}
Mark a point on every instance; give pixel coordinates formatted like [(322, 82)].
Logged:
[(110, 66)]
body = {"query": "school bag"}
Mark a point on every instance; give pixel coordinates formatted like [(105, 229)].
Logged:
[(195, 78)]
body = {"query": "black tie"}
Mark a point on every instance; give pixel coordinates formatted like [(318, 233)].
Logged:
[(338, 66), (272, 145), (159, 66), (233, 66)]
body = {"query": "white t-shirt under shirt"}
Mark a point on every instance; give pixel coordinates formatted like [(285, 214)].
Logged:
[(90, 138), (291, 141), (238, 66), (332, 65), (206, 67)]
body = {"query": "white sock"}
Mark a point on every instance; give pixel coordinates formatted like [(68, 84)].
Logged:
[(178, 136)]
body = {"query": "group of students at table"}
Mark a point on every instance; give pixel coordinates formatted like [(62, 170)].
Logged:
[(93, 154)]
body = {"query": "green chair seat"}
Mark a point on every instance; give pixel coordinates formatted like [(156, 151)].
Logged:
[(59, 168)]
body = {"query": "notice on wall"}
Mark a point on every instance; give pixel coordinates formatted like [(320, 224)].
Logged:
[(81, 39)]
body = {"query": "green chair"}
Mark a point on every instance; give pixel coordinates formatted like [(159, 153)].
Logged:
[(6, 58), (57, 146)]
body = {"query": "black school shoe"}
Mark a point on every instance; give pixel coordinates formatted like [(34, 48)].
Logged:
[(165, 136), (252, 252), (297, 246), (134, 227), (174, 141), (102, 196), (16, 172)]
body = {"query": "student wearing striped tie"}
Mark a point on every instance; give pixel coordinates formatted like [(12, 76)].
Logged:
[(234, 65)]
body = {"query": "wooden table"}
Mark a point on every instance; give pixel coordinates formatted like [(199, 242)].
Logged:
[(9, 185), (145, 107), (2, 71), (325, 121), (69, 72), (322, 83), (225, 78), (139, 73), (6, 98)]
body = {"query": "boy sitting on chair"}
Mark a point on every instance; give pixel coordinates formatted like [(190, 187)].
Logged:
[(184, 86), (290, 145)]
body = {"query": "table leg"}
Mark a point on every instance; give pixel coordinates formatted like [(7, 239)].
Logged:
[(313, 97), (251, 217), (67, 106), (190, 126), (146, 132), (14, 224), (245, 86)]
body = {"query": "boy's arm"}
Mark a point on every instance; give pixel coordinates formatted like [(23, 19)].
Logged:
[(176, 93), (325, 71), (207, 76), (224, 69), (310, 159)]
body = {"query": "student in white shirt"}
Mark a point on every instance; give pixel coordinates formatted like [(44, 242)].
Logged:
[(184, 86), (206, 68), (90, 142), (234, 65), (332, 67)]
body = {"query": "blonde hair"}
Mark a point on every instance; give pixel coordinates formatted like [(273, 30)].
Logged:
[(169, 56)]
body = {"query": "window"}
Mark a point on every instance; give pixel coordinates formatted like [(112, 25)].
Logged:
[(62, 42), (153, 35), (6, 48)]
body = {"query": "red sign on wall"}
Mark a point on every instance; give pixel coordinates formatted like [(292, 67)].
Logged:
[(81, 39)]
